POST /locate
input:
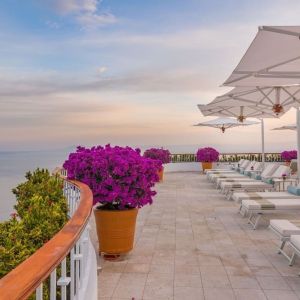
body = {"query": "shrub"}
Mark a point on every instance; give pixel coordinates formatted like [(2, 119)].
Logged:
[(41, 211), (207, 154), (289, 155), (119, 177), (159, 154)]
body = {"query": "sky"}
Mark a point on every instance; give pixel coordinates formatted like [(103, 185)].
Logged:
[(127, 72)]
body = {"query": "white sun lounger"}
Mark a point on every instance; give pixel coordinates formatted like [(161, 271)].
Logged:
[(269, 170), (244, 163), (294, 243), (250, 186), (238, 197), (233, 180), (256, 208), (217, 173), (229, 188), (284, 229)]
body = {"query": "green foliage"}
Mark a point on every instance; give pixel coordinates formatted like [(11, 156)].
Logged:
[(41, 211)]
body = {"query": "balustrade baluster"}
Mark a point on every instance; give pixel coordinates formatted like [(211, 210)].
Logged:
[(53, 285)]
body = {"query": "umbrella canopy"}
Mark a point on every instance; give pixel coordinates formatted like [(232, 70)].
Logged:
[(272, 59), (225, 123), (255, 102), (286, 127)]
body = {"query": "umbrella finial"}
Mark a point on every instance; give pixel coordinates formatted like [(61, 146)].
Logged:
[(223, 128), (241, 118), (277, 109)]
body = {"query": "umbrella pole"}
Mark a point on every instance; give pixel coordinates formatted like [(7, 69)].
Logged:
[(298, 142), (263, 143)]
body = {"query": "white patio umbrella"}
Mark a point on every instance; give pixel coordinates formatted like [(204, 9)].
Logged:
[(255, 102), (225, 123), (240, 113), (286, 127), (272, 59)]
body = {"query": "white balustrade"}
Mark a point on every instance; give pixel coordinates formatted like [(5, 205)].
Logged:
[(78, 269)]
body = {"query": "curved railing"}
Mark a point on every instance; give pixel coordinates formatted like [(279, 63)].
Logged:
[(228, 157), (67, 262)]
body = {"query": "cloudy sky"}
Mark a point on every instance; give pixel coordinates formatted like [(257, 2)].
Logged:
[(126, 71)]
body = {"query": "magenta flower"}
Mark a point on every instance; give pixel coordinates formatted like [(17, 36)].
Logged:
[(119, 177), (207, 154), (164, 156), (289, 155)]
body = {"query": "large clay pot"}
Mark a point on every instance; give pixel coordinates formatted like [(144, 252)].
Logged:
[(115, 230), (288, 163), (206, 165), (161, 174)]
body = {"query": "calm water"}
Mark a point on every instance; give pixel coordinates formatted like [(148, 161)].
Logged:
[(14, 165)]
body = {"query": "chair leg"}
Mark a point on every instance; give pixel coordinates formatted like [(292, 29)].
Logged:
[(292, 260), (281, 247), (256, 218)]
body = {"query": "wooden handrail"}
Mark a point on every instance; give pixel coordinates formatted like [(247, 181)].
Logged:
[(22, 281)]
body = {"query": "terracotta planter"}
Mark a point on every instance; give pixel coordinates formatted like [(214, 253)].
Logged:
[(206, 165), (115, 230), (288, 163), (161, 174)]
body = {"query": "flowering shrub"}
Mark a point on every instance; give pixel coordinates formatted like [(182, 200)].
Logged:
[(289, 155), (207, 154), (119, 177), (160, 154), (41, 211)]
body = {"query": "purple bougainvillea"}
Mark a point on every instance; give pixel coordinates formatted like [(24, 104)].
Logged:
[(159, 154), (289, 155), (119, 177), (207, 154)]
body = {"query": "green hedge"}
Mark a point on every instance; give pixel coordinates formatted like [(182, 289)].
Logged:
[(41, 211)]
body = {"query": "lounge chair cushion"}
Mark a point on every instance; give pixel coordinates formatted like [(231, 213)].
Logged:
[(295, 190), (283, 204), (295, 240), (285, 227)]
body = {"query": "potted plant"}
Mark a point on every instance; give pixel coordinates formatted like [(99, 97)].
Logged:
[(207, 156), (162, 155), (287, 156), (121, 181)]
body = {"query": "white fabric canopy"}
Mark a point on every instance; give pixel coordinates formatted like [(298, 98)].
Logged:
[(225, 123), (272, 59), (255, 102)]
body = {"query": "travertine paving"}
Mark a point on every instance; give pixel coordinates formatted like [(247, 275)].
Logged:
[(191, 244)]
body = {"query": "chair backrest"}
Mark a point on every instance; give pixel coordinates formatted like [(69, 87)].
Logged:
[(245, 163), (281, 170), (293, 166), (269, 170), (250, 165), (257, 166), (241, 161)]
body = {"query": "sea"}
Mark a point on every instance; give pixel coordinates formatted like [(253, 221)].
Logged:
[(13, 167)]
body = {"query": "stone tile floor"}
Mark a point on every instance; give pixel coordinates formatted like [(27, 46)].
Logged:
[(191, 244)]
